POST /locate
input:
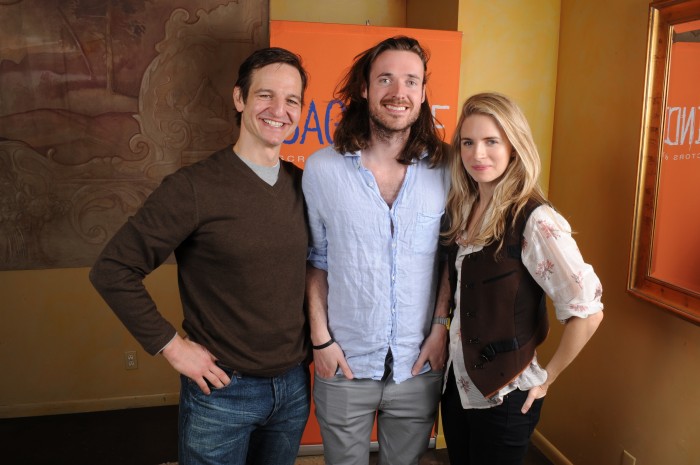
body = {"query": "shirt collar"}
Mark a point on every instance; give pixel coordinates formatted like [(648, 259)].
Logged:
[(357, 155)]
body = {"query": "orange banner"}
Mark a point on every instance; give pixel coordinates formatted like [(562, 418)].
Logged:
[(327, 51)]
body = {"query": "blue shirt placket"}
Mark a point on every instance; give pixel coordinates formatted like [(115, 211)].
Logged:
[(394, 228), (396, 220)]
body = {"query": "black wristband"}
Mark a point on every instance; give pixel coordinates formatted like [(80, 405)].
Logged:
[(324, 345)]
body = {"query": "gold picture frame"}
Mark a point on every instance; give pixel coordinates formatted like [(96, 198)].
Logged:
[(684, 302)]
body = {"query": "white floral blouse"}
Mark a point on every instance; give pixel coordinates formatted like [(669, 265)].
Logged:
[(553, 259)]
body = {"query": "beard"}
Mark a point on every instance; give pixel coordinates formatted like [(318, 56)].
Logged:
[(385, 127)]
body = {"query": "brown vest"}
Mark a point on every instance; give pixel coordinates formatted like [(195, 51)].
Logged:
[(502, 310)]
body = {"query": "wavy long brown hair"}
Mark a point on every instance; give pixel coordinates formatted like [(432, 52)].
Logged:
[(518, 183), (353, 130)]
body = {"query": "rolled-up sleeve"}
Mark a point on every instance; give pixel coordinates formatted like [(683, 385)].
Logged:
[(318, 243), (553, 259)]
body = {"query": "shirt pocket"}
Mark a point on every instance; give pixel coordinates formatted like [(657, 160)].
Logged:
[(426, 233)]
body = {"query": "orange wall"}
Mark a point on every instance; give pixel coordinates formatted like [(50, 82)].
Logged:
[(634, 387)]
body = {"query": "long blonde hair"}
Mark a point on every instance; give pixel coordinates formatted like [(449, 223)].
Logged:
[(518, 183)]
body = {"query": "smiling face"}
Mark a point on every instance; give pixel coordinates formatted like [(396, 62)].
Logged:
[(271, 111), (396, 89), (485, 151)]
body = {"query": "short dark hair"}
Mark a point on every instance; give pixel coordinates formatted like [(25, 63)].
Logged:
[(260, 59), (353, 130)]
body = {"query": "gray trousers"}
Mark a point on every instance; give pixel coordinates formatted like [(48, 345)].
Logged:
[(405, 413)]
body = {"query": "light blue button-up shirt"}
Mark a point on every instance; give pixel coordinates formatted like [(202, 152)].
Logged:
[(381, 261)]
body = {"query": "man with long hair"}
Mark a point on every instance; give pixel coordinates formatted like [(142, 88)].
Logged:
[(374, 201)]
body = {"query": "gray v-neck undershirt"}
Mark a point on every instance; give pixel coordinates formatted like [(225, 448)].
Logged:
[(269, 174)]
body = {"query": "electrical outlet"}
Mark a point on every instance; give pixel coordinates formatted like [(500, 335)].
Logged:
[(627, 458), (130, 360)]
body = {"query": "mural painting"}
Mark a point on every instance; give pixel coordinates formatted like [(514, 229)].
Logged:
[(99, 100)]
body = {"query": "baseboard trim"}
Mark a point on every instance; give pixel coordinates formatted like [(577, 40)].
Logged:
[(88, 405), (549, 450)]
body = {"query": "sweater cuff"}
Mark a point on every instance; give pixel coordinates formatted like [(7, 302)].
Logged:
[(166, 345)]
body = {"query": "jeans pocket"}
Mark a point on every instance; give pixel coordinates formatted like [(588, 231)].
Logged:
[(232, 374), (233, 377)]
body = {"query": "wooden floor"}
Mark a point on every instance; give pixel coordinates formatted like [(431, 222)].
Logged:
[(143, 436), (140, 436), (435, 457)]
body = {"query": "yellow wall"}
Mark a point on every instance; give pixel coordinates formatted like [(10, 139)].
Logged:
[(512, 47), (634, 386), (384, 13), (62, 349), (435, 14)]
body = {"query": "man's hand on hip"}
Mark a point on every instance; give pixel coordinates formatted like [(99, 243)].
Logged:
[(196, 362)]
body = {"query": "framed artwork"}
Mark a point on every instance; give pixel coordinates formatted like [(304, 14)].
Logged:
[(665, 256)]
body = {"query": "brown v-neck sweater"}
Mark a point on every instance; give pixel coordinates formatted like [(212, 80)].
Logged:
[(240, 246)]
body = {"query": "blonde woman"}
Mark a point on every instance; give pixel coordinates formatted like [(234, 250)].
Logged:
[(507, 249)]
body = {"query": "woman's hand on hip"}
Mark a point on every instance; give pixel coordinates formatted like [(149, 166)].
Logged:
[(533, 394)]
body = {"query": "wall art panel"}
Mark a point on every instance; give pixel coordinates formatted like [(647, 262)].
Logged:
[(99, 99)]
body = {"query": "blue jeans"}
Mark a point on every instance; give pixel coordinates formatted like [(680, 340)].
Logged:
[(253, 420)]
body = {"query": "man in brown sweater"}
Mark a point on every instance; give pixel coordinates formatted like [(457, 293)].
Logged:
[(236, 224)]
